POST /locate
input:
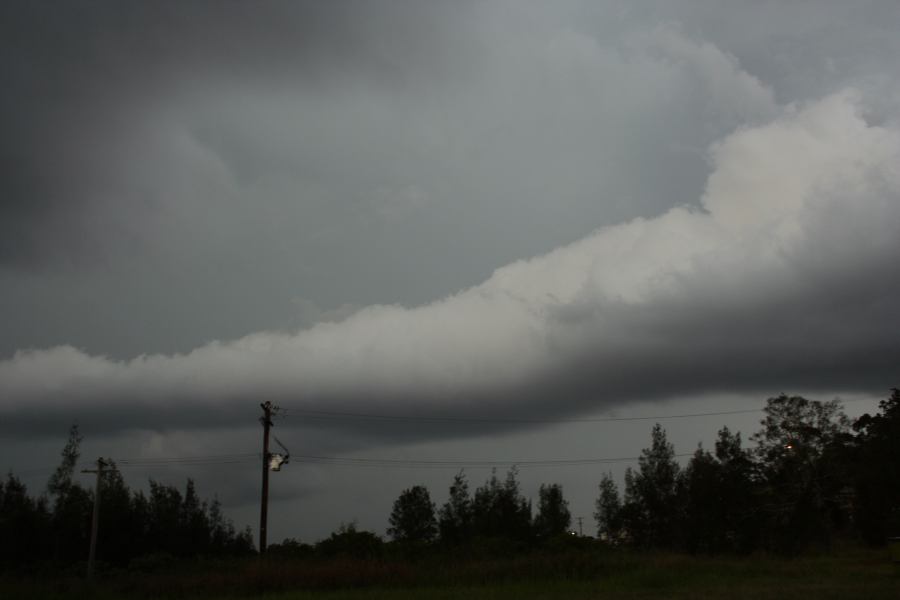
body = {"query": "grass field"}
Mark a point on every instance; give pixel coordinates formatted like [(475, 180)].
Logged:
[(860, 574), (674, 577)]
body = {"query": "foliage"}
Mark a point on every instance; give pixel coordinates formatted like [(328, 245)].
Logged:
[(653, 495), (719, 490), (876, 469), (412, 519), (24, 520), (167, 523), (796, 427), (290, 548), (61, 480), (348, 541), (500, 511), (455, 524), (609, 510), (553, 518), (800, 451)]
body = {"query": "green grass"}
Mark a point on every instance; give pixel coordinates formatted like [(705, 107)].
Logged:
[(673, 577), (605, 575)]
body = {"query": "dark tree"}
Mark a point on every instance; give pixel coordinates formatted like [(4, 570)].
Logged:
[(72, 506), (500, 511), (719, 509), (705, 522), (61, 480), (164, 518), (794, 426), (131, 524), (609, 510), (291, 547), (801, 474), (737, 492), (876, 463), (242, 543), (221, 530), (652, 509), (412, 519), (553, 518), (349, 541), (455, 523), (140, 515), (121, 529), (193, 522), (24, 525)]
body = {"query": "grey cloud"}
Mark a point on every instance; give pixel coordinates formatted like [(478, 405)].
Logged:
[(784, 277), (493, 140), (81, 76)]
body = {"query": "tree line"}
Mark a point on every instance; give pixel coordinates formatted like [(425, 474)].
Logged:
[(809, 477), (54, 527)]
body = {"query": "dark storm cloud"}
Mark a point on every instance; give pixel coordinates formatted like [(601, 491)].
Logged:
[(784, 278), (163, 133), (394, 153), (77, 73)]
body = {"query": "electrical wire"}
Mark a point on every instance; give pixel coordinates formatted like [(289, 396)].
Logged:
[(321, 414), (326, 414), (170, 465), (184, 461), (177, 459), (461, 463), (381, 462), (238, 458)]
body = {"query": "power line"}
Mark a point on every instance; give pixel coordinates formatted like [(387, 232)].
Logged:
[(190, 461), (462, 463), (327, 414), (382, 462), (175, 460), (207, 463), (238, 458), (424, 418)]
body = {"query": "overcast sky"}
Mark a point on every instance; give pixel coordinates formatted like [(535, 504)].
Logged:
[(548, 211)]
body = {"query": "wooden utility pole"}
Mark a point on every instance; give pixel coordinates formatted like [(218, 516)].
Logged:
[(580, 533), (266, 421), (95, 517)]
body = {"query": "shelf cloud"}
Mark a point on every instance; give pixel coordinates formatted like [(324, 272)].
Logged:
[(783, 275)]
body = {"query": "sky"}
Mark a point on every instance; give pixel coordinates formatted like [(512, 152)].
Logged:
[(499, 222)]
